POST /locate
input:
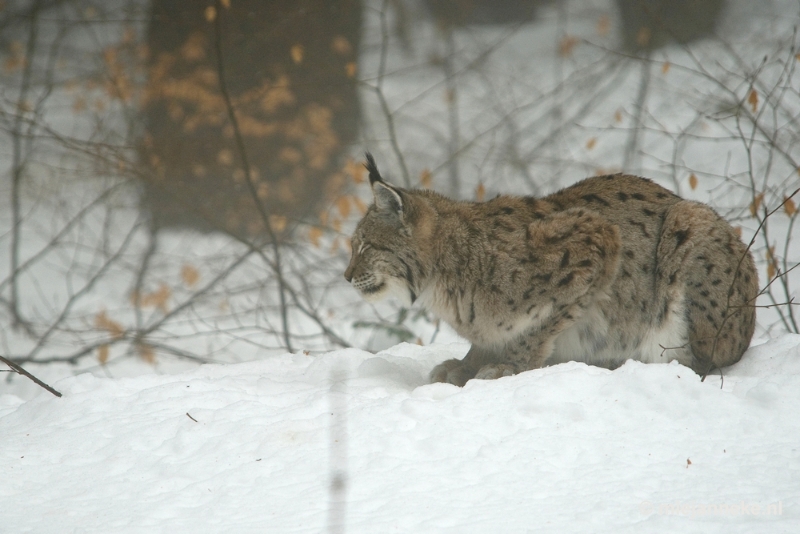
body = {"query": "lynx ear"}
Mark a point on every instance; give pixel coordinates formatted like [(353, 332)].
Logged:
[(387, 199)]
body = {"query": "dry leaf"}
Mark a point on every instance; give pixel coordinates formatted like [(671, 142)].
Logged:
[(343, 205), (362, 207), (643, 36), (211, 13), (693, 181), (297, 53), (590, 143), (753, 100), (425, 178), (225, 157), (355, 170), (351, 69), (226, 3), (480, 192), (618, 116), (102, 321), (277, 223), (603, 25), (314, 235), (566, 45), (157, 299), (341, 45), (146, 352), (665, 67), (688, 463), (756, 203), (189, 275), (789, 206), (772, 264), (102, 354)]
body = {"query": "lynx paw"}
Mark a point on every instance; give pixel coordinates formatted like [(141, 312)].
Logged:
[(492, 371), (452, 372)]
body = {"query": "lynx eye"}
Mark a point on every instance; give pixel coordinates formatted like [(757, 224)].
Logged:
[(362, 247)]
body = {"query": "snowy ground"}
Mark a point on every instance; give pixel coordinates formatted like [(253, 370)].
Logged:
[(253, 447)]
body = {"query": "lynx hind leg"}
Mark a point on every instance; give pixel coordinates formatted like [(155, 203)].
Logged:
[(704, 264)]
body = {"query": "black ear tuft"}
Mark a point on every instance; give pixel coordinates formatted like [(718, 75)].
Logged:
[(374, 175)]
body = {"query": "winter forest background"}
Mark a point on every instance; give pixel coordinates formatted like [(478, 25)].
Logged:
[(178, 184), (179, 179)]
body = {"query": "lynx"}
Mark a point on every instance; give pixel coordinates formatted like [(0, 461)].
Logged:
[(612, 268)]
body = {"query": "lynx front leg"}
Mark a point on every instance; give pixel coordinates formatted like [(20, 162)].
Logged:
[(457, 372)]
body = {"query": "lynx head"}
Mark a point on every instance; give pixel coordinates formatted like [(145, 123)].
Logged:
[(386, 258)]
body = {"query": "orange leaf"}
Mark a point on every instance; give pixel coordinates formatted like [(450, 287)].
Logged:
[(362, 208), (189, 275), (753, 100), (566, 45), (343, 205), (278, 223), (297, 53), (772, 264), (355, 170), (618, 116), (643, 36), (341, 45), (665, 67), (102, 321), (480, 192), (789, 207), (314, 234), (756, 203), (146, 352), (693, 181), (590, 143), (603, 25), (102, 354), (226, 3), (425, 178), (351, 69), (157, 299), (211, 13)]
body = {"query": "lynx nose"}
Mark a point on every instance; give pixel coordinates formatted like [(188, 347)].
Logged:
[(348, 274)]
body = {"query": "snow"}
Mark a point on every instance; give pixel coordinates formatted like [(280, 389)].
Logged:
[(250, 447)]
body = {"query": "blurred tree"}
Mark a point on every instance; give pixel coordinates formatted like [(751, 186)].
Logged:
[(651, 24), (290, 69)]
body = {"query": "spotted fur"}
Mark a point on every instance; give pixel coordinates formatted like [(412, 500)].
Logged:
[(611, 268)]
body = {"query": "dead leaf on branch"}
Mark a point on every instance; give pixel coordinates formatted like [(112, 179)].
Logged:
[(789, 206), (693, 181), (189, 275), (480, 192), (102, 354), (146, 353), (103, 322), (343, 205), (752, 99), (567, 45), (425, 178), (756, 203), (314, 235), (603, 25)]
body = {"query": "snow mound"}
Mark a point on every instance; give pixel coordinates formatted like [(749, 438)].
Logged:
[(253, 448)]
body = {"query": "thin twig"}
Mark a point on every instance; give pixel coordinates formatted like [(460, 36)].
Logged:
[(19, 370)]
